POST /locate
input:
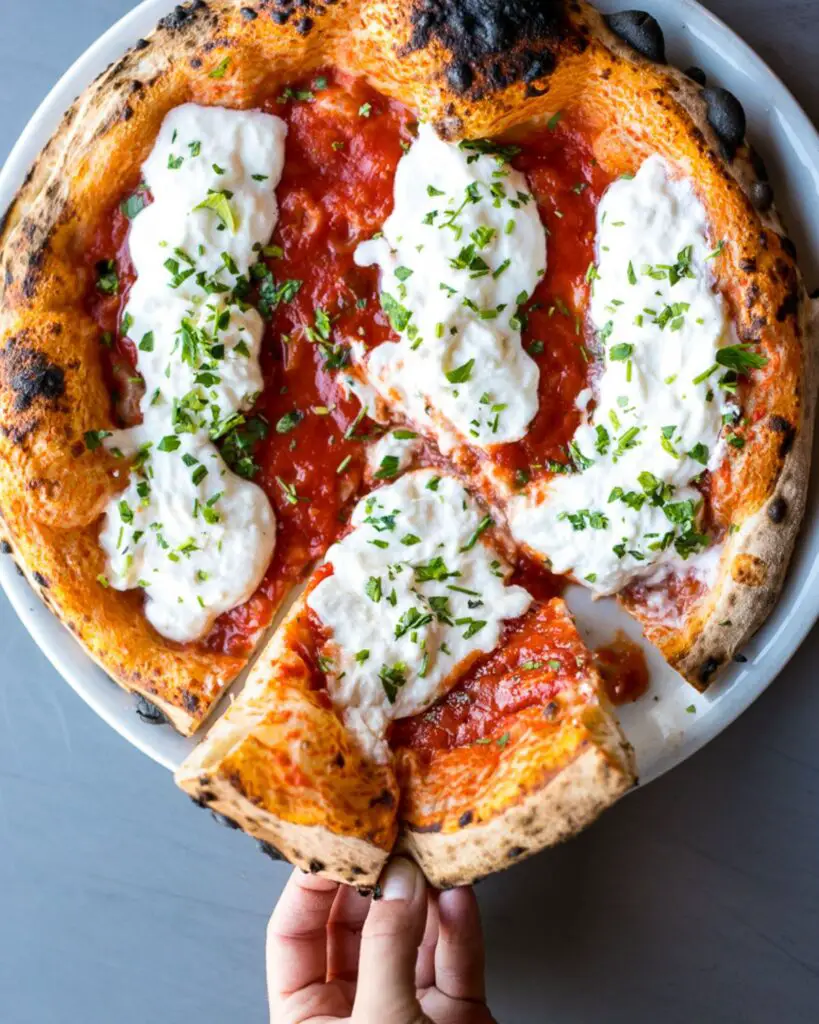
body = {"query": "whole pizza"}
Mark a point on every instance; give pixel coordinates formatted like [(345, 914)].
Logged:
[(384, 320)]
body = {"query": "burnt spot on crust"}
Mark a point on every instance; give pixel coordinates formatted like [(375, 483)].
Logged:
[(788, 307), (761, 195), (223, 820), (726, 117), (303, 26), (316, 866), (778, 510), (384, 799), (515, 852), (269, 850), (356, 870), (141, 44), (181, 15), (475, 30), (641, 31), (696, 75), (40, 579), (370, 890), (707, 670), (788, 245), (30, 376), (5, 548), (190, 701), (740, 659), (432, 828), (149, 712), (465, 819), (786, 429), (748, 265), (249, 14)]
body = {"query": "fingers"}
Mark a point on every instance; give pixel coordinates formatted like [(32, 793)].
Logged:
[(347, 918), (459, 967), (425, 964), (296, 935), (389, 947)]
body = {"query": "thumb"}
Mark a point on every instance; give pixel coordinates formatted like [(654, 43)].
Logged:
[(389, 947)]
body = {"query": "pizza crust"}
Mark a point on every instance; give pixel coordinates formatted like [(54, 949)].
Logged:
[(565, 805)]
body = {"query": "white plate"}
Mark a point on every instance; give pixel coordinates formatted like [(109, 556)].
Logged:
[(663, 731)]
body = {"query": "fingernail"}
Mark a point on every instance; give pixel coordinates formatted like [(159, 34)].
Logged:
[(399, 880)]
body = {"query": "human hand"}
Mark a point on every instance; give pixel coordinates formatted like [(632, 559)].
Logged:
[(412, 957)]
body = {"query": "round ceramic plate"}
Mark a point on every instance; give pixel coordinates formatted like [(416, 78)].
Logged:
[(672, 720)]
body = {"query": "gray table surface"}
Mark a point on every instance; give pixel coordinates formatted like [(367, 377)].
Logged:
[(695, 900)]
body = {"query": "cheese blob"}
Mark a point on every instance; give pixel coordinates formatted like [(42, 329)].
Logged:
[(416, 593), (188, 530), (463, 248), (627, 507)]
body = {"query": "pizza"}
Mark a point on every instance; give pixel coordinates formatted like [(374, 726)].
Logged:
[(388, 321)]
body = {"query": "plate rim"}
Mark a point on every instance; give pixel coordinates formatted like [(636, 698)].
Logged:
[(51, 635)]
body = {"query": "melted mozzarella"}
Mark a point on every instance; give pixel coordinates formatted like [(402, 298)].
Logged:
[(193, 541), (656, 422), (197, 537), (415, 593), (462, 249), (392, 453)]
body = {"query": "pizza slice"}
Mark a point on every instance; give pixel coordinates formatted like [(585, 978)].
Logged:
[(522, 753), (411, 661)]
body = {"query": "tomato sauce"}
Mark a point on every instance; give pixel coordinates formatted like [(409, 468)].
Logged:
[(623, 669), (567, 184), (343, 145), (536, 659)]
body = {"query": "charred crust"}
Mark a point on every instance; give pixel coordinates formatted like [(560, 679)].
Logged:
[(707, 670), (434, 827), (726, 116), (5, 547), (748, 265), (249, 14), (788, 307), (339, 760), (474, 32), (465, 819), (356, 870), (280, 17), (190, 701), (30, 376), (459, 76), (641, 31), (740, 659), (304, 25), (782, 426), (149, 713), (696, 75), (269, 850), (40, 579), (761, 195), (788, 245), (182, 15), (778, 510), (384, 799), (515, 851), (316, 866), (223, 820), (141, 44)]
